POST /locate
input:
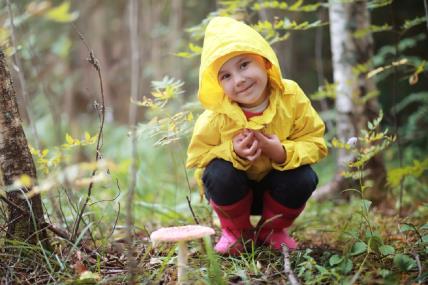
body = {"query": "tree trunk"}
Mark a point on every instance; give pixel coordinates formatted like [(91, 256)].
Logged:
[(25, 215), (349, 51)]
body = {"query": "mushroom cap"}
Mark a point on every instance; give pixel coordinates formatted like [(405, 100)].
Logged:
[(181, 233)]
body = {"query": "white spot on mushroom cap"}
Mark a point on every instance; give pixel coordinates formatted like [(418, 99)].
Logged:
[(181, 233)]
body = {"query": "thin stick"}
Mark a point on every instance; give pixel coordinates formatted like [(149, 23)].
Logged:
[(287, 266), (191, 210), (94, 62)]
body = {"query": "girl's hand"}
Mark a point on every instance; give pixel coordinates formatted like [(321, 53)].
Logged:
[(271, 147), (246, 146)]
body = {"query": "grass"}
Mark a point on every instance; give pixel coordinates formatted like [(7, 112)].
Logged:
[(340, 242)]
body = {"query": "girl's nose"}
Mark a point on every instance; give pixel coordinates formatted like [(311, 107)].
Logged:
[(239, 79)]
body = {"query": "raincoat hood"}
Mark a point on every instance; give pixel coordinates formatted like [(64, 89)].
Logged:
[(224, 39)]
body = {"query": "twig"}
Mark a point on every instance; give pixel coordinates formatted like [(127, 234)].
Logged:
[(191, 210), (287, 266), (94, 62), (10, 203), (418, 263), (18, 68)]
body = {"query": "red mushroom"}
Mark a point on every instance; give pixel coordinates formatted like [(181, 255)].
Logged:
[(181, 235)]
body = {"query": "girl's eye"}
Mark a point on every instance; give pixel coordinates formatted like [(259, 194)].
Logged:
[(244, 64), (224, 76)]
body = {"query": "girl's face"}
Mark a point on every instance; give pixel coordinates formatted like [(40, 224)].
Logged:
[(244, 79)]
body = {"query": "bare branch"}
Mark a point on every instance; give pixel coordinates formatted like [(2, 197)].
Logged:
[(287, 266)]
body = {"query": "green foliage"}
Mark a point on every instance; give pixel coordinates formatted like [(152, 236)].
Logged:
[(408, 24), (371, 29), (396, 175), (274, 32), (214, 269), (378, 3), (404, 262), (48, 160), (370, 143), (62, 13), (387, 52), (165, 125), (416, 120), (297, 6), (328, 90)]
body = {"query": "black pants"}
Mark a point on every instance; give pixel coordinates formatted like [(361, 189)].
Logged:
[(226, 185)]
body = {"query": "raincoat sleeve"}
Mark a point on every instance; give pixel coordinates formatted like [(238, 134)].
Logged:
[(305, 144), (206, 144)]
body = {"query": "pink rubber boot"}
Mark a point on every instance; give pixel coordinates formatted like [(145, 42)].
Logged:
[(235, 225), (276, 219)]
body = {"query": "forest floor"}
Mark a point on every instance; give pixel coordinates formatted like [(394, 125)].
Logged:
[(339, 244)]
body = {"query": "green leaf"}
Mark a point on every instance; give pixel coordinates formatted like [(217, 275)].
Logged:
[(345, 266), (424, 227), (404, 262), (386, 250), (406, 228), (384, 272), (335, 259), (408, 24), (358, 248), (321, 269), (378, 3), (366, 204), (425, 239)]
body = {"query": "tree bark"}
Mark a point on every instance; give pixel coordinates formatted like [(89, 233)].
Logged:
[(352, 116), (15, 160)]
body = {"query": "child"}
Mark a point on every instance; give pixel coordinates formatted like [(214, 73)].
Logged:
[(255, 140)]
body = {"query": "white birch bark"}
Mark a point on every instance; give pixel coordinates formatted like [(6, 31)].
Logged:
[(348, 51)]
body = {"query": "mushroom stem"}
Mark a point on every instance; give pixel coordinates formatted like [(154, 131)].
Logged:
[(182, 262)]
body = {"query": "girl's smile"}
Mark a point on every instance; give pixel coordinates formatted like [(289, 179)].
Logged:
[(244, 79)]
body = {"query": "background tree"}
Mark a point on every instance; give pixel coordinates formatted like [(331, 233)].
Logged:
[(356, 95)]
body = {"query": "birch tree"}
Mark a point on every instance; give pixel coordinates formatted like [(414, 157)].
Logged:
[(25, 215), (353, 111)]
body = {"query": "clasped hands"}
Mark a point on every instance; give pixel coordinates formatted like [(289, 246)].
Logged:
[(250, 144)]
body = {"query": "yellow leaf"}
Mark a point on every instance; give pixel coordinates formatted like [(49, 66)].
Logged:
[(195, 48), (25, 180), (62, 13), (45, 152), (190, 117), (69, 139), (87, 136)]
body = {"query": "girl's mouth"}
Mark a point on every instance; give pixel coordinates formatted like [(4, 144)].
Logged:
[(245, 89)]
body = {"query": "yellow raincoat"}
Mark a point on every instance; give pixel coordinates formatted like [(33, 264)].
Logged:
[(289, 115)]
